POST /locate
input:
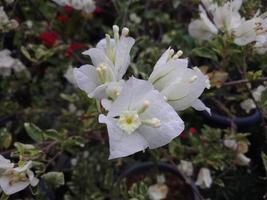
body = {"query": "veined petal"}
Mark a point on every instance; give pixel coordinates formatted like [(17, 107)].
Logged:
[(171, 124), (99, 57), (86, 78), (122, 144), (12, 188), (198, 29), (132, 93), (122, 60), (200, 106)]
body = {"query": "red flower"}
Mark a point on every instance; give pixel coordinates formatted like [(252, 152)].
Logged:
[(192, 131), (63, 18), (67, 9), (49, 38), (74, 47), (98, 10)]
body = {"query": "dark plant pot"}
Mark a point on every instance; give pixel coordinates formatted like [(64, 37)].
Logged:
[(241, 123), (141, 168), (6, 119)]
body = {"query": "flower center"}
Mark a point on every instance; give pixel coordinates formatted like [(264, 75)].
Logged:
[(129, 121)]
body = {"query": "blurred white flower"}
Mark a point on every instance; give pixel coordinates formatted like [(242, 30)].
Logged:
[(13, 180), (158, 191), (186, 167), (230, 143), (111, 59), (8, 63), (242, 160), (223, 18), (180, 85), (5, 23), (87, 6), (5, 164), (134, 18), (204, 179), (140, 118), (249, 104)]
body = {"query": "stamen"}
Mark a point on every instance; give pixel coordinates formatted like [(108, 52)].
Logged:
[(165, 98), (116, 32), (192, 79), (125, 31), (154, 122), (178, 54), (144, 107)]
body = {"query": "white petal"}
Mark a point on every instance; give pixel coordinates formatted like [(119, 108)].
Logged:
[(198, 29), (99, 57), (33, 181), (106, 103), (86, 78), (122, 144), (14, 188), (132, 93), (171, 124), (200, 106), (122, 60)]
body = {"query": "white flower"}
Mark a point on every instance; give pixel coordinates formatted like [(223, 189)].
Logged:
[(110, 58), (204, 179), (256, 93), (5, 164), (134, 18), (186, 167), (202, 28), (87, 6), (140, 118), (158, 191), (248, 105), (7, 63), (242, 160), (180, 85), (69, 75), (6, 24), (224, 18), (230, 143), (16, 179)]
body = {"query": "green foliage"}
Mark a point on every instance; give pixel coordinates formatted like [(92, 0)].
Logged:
[(54, 179)]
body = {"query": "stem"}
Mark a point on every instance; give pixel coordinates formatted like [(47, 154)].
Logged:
[(4, 196), (244, 81)]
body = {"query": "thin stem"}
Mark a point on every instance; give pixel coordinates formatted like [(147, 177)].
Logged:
[(244, 81)]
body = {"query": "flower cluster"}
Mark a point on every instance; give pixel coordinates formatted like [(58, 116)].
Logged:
[(14, 179), (141, 113), (87, 6), (215, 19)]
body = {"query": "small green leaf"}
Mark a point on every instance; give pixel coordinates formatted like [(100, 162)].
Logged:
[(54, 179), (205, 53), (264, 159), (34, 132)]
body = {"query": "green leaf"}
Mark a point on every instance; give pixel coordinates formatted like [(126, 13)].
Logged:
[(205, 53), (34, 132), (54, 179), (5, 139), (264, 159)]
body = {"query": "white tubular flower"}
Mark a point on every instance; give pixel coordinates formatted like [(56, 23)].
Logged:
[(202, 28), (242, 160), (204, 179), (180, 85), (140, 118), (186, 167), (13, 180), (87, 6), (110, 58), (8, 63), (225, 18)]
